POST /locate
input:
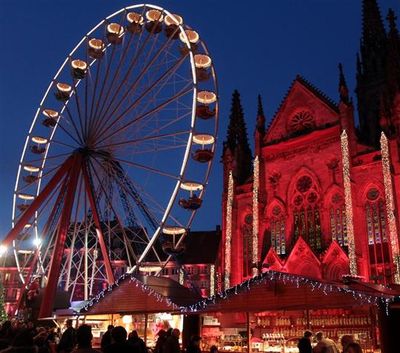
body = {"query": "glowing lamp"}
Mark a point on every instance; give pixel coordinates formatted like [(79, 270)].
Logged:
[(154, 15), (78, 64), (170, 230), (203, 139), (31, 168), (206, 97), (202, 61), (50, 113), (134, 17), (127, 319), (37, 242), (115, 28), (173, 19), (192, 36), (96, 44), (39, 140), (3, 250), (191, 186), (26, 196), (64, 87)]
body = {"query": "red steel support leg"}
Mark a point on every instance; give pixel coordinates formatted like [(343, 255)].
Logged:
[(107, 263), (30, 211), (32, 265), (46, 308)]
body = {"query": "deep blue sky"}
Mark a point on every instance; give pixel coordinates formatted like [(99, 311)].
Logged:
[(257, 47)]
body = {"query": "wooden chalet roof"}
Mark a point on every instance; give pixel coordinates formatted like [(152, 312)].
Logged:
[(283, 291), (141, 294)]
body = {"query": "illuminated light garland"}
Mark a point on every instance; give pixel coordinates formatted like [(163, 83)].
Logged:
[(181, 276), (298, 280), (212, 280), (344, 143), (256, 185), (228, 232), (387, 181)]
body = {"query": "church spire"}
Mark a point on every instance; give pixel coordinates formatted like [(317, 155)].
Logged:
[(343, 90), (373, 28), (237, 141), (260, 124), (371, 72), (259, 133)]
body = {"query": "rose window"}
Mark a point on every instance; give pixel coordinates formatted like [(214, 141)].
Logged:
[(373, 194), (304, 184), (302, 121)]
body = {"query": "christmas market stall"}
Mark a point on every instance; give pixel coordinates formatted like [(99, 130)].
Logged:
[(146, 304), (271, 311)]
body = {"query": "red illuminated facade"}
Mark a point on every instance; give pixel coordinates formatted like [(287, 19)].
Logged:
[(289, 212)]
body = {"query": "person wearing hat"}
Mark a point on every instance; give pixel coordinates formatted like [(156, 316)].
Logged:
[(194, 345)]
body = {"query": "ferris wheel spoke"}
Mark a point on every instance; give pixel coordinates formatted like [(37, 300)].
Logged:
[(126, 183), (158, 149), (91, 117), (110, 204), (80, 118), (165, 75), (57, 142), (133, 86), (116, 74), (187, 89), (144, 139), (138, 53), (70, 117), (149, 169), (172, 122), (52, 157), (68, 133), (100, 97)]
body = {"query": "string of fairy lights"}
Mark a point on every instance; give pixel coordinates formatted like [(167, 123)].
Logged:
[(256, 184), (344, 143), (298, 280), (228, 233), (387, 182), (263, 278)]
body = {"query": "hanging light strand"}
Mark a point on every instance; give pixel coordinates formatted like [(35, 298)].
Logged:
[(212, 280), (344, 143), (228, 232), (387, 181), (256, 185)]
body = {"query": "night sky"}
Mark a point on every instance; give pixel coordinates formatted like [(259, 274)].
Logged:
[(258, 47)]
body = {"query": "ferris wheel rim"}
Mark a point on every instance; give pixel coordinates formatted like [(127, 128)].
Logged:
[(189, 144)]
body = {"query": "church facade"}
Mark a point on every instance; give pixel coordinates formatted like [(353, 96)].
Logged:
[(320, 196)]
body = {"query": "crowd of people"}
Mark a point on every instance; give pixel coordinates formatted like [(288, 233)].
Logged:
[(326, 345), (21, 337), (24, 337)]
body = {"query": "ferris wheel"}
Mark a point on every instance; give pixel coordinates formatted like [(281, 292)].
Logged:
[(118, 155)]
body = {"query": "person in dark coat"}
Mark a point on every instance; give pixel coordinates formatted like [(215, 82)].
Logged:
[(172, 343), (84, 340), (194, 345), (304, 344), (162, 337), (106, 339), (137, 343), (22, 343), (120, 344), (68, 339)]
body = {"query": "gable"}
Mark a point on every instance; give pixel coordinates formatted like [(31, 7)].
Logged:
[(302, 261), (303, 110)]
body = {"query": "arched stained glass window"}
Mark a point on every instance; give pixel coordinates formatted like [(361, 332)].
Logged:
[(247, 233), (277, 222), (337, 217), (306, 212), (375, 213)]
